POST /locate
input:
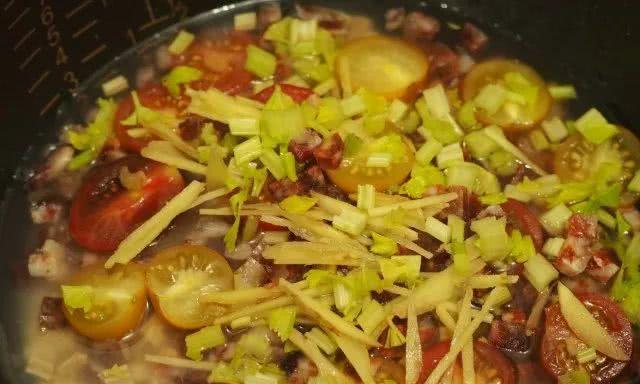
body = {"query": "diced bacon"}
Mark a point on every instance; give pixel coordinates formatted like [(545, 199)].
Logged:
[(444, 63), (509, 336), (329, 153), (55, 164), (46, 212), (304, 144), (584, 226), (577, 250), (418, 25), (602, 267), (394, 18), (51, 315), (473, 38), (281, 189), (466, 206)]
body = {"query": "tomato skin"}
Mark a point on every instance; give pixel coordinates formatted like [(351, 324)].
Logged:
[(298, 94), (431, 357), (234, 82), (154, 96), (103, 212), (268, 227), (119, 318), (526, 221), (554, 357)]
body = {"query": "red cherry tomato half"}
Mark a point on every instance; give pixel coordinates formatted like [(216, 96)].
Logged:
[(234, 82), (298, 94), (526, 221), (154, 96), (104, 212), (490, 364), (554, 354)]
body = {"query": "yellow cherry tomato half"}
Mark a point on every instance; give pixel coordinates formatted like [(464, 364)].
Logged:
[(387, 66), (177, 277), (118, 302), (511, 115)]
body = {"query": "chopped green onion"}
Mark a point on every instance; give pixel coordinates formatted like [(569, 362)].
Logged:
[(493, 241), (522, 247), (404, 269), (322, 340), (442, 130), (297, 204), (278, 31), (262, 378), (491, 98), (379, 160), (634, 184), (395, 338), (539, 140), (539, 272), (350, 222), (552, 247), (428, 151), (594, 127), (383, 245), (325, 87), (91, 141), (115, 86), (464, 174), (78, 296), (512, 192), (586, 355), (366, 196), (467, 116), (204, 339), (289, 163), (240, 322), (479, 144), (352, 145), (180, 74), (312, 70), (606, 218), (437, 102), (352, 106), (248, 150), (562, 92), (244, 126), (372, 315), (503, 163), (182, 41), (496, 134), (397, 110), (260, 62), (493, 199), (302, 30), (555, 220), (273, 162), (449, 155), (456, 228), (437, 229), (555, 129), (330, 112), (577, 376), (375, 123), (245, 21), (281, 321)]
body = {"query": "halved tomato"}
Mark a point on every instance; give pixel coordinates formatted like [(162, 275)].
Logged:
[(559, 340), (154, 96), (103, 212), (387, 66), (118, 302), (489, 363), (353, 171), (511, 115), (178, 276), (576, 159)]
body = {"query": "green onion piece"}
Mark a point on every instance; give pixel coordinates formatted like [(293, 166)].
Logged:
[(395, 338), (262, 378), (539, 140), (325, 87), (586, 355), (330, 112), (622, 225), (352, 145), (437, 229), (352, 106), (248, 150), (552, 247), (503, 163), (383, 245), (463, 174), (562, 92), (480, 145), (376, 104), (181, 74), (240, 322), (366, 196), (279, 31), (260, 62), (298, 204), (606, 218), (467, 116), (594, 127), (555, 129), (350, 222), (322, 340), (403, 269), (428, 151), (273, 162), (115, 86), (244, 126), (539, 272), (302, 30), (437, 102), (491, 98), (634, 184), (372, 315), (78, 297), (182, 41), (578, 376), (493, 199), (312, 70), (281, 321), (397, 110), (117, 374), (91, 141), (302, 49), (449, 155), (512, 192), (289, 163), (379, 160), (456, 228), (410, 122), (204, 339), (441, 130), (496, 134), (555, 220), (375, 123), (522, 247), (493, 241)]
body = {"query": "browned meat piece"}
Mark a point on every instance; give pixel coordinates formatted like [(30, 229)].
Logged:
[(473, 38), (51, 315), (329, 153), (419, 26), (394, 18), (303, 146)]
